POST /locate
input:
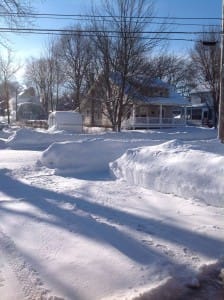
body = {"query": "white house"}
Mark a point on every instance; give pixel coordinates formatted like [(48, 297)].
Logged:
[(201, 110), (27, 106), (152, 103)]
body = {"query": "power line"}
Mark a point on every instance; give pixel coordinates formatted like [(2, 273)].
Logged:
[(109, 33), (93, 35), (142, 22), (104, 16), (80, 31)]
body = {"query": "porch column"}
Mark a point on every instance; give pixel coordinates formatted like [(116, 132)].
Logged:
[(133, 116), (185, 115), (160, 114)]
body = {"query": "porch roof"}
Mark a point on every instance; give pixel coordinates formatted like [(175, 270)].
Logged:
[(174, 99)]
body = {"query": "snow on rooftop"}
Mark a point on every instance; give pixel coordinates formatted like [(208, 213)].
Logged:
[(174, 98)]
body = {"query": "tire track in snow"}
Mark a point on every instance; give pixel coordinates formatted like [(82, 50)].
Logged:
[(28, 280)]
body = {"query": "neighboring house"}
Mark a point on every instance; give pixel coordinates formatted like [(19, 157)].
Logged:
[(27, 106), (30, 111), (201, 109), (153, 103)]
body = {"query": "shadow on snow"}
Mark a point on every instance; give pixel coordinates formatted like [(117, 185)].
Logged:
[(86, 224)]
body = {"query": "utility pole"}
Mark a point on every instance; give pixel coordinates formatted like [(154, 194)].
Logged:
[(16, 104), (221, 95)]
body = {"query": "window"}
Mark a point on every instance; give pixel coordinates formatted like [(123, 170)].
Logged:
[(143, 111), (196, 114)]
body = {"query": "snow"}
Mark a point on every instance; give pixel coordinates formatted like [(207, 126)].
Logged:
[(106, 215), (146, 81), (176, 168), (58, 155), (65, 120)]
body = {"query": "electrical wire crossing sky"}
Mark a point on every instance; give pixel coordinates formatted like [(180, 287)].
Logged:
[(54, 17)]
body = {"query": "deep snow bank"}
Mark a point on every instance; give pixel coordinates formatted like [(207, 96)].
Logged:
[(37, 139), (173, 167), (4, 135), (86, 156), (28, 138)]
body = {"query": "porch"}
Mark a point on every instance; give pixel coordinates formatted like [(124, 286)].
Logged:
[(152, 122), (165, 117)]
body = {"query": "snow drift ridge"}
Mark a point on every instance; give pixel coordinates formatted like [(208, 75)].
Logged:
[(175, 168)]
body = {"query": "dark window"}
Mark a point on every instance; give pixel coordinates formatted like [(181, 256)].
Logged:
[(196, 114)]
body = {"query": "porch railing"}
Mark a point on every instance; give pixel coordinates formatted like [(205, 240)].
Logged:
[(152, 122)]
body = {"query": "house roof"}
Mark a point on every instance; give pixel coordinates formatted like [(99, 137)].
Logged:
[(200, 89), (174, 98), (134, 89), (26, 96)]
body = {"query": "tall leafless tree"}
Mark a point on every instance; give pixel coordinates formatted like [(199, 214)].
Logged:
[(7, 70), (55, 75), (76, 58), (123, 46), (46, 75), (37, 74), (178, 71), (14, 13), (206, 57)]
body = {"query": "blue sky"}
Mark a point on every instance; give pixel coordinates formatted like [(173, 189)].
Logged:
[(190, 8), (32, 45)]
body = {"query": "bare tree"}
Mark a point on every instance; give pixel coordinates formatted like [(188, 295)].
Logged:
[(37, 75), (178, 71), (8, 7), (123, 47), (14, 13), (207, 61), (76, 57), (55, 75), (7, 70), (46, 75)]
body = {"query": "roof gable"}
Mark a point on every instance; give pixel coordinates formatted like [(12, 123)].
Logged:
[(149, 90)]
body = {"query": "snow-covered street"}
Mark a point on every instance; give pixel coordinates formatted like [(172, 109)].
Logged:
[(73, 228)]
